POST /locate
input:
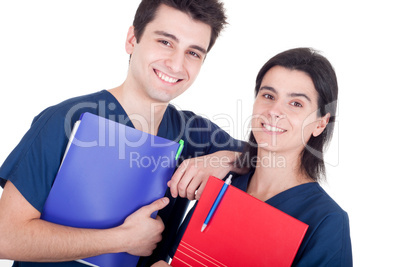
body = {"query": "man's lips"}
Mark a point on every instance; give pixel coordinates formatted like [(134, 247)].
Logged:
[(166, 78)]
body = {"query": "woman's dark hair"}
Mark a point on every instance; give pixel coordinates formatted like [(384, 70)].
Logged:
[(324, 78), (210, 12)]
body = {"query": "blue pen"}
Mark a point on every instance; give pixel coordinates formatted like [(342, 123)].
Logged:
[(216, 202)]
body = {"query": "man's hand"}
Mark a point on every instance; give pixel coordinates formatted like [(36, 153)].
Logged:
[(160, 264), (25, 237), (141, 232), (192, 174)]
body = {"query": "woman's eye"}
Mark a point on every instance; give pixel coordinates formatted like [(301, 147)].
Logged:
[(296, 104), (268, 96)]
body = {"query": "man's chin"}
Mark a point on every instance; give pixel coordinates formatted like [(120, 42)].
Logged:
[(163, 97)]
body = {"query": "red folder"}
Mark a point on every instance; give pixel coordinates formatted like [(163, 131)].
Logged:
[(244, 231)]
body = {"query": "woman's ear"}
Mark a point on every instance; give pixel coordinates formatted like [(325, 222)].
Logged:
[(130, 40), (321, 125)]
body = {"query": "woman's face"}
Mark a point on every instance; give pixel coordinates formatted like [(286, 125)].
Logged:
[(285, 111)]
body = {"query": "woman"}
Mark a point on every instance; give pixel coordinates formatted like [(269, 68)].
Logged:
[(293, 120), (293, 114)]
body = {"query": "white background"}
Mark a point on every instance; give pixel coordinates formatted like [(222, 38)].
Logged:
[(54, 50)]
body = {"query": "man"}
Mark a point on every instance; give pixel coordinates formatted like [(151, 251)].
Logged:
[(167, 45)]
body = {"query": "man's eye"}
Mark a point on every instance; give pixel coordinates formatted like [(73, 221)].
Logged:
[(164, 42), (194, 54)]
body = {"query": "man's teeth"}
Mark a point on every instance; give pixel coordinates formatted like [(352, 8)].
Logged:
[(167, 78), (273, 129)]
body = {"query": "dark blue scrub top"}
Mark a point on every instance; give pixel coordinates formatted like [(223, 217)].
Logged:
[(33, 164)]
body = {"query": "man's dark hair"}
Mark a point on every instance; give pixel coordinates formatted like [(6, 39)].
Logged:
[(210, 12), (321, 72)]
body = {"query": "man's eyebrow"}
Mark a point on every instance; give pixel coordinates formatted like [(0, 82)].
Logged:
[(174, 38), (199, 48), (168, 35), (269, 88)]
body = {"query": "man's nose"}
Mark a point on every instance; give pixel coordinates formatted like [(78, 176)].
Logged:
[(175, 61)]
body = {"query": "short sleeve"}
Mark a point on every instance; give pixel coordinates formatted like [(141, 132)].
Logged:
[(206, 137), (33, 164), (330, 244)]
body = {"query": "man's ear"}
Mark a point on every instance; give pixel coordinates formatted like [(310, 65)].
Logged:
[(130, 40), (321, 125)]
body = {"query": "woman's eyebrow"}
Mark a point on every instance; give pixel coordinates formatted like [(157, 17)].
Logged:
[(269, 88), (300, 95)]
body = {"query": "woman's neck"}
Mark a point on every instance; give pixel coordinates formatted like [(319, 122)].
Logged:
[(275, 173)]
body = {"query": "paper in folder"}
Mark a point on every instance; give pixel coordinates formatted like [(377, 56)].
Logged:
[(243, 231), (109, 171)]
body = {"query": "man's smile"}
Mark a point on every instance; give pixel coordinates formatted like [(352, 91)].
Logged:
[(166, 78)]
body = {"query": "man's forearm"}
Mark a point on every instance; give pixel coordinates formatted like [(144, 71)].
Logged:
[(192, 174), (232, 157), (223, 161), (42, 241), (25, 237)]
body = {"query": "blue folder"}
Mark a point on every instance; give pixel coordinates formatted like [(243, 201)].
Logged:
[(109, 171)]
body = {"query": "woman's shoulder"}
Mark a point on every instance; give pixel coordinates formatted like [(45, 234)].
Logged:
[(309, 203), (327, 241), (323, 199)]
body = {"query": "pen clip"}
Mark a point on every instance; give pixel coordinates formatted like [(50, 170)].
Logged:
[(180, 149)]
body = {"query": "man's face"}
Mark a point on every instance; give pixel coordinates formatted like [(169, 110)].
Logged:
[(169, 55)]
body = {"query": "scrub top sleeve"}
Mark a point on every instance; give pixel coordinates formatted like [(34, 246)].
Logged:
[(33, 164), (216, 139), (329, 244)]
